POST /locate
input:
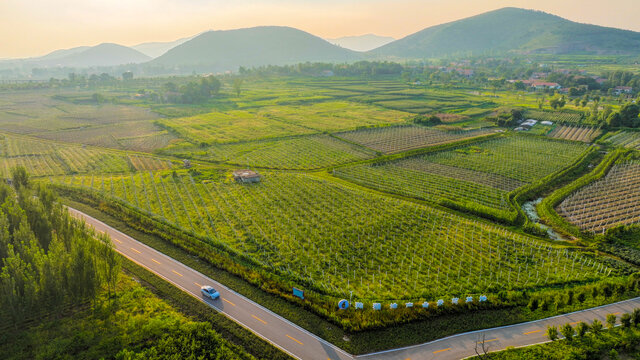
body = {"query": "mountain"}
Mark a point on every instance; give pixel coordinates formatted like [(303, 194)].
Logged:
[(101, 55), (257, 46), (155, 49), (57, 54), (361, 43), (512, 30)]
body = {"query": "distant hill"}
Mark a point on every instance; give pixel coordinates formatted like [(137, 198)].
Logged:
[(257, 46), (155, 49), (361, 43), (101, 55), (512, 30), (57, 54)]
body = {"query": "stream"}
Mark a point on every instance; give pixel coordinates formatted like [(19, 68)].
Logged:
[(530, 209)]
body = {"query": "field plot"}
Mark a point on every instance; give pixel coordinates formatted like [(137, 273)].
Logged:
[(395, 139), (230, 126), (554, 116), (611, 201), (480, 174), (628, 139), (575, 133), (337, 239), (117, 136), (38, 111), (300, 152), (336, 115), (46, 158)]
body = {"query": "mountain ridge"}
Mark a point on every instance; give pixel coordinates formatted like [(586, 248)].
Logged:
[(512, 30)]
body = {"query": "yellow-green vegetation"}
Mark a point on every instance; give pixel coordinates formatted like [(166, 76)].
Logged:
[(230, 126), (46, 158), (300, 152), (334, 239), (335, 115)]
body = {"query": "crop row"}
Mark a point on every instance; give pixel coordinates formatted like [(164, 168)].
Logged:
[(628, 139), (575, 133), (611, 201), (336, 239), (396, 139)]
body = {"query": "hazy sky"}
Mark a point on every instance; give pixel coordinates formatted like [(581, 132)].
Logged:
[(36, 27)]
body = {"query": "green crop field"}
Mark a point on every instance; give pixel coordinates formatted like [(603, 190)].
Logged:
[(395, 139), (300, 152), (479, 174), (45, 158), (627, 139), (335, 239)]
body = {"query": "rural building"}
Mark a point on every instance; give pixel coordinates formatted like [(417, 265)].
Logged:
[(186, 163), (619, 90), (246, 176)]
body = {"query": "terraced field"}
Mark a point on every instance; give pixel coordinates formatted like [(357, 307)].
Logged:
[(480, 174), (395, 139), (611, 201), (335, 239)]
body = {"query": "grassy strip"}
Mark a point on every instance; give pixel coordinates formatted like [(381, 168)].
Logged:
[(188, 305), (546, 209)]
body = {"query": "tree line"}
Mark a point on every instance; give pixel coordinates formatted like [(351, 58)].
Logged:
[(47, 258)]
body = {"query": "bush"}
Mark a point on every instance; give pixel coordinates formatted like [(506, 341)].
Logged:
[(552, 333), (625, 320), (635, 317), (596, 327), (581, 329), (567, 331), (611, 321)]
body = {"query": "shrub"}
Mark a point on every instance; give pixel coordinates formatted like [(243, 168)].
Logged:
[(533, 304), (596, 327), (625, 320), (635, 317), (552, 333), (581, 297), (611, 321), (567, 331), (581, 329)]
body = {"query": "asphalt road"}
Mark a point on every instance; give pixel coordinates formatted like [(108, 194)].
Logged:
[(302, 344)]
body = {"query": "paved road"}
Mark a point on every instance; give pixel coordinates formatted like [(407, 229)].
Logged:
[(302, 344)]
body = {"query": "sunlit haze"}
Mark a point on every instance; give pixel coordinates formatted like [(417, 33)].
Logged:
[(36, 27)]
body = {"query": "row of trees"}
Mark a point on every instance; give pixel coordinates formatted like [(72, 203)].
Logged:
[(47, 258), (192, 92)]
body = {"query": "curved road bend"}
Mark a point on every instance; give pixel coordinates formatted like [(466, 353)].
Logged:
[(302, 344)]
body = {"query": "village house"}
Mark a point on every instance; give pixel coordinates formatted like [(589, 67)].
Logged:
[(246, 176), (619, 90)]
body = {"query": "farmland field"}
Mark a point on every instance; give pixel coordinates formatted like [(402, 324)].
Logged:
[(335, 239), (553, 116), (395, 139), (611, 201), (627, 139), (483, 173), (45, 158), (300, 152), (575, 133)]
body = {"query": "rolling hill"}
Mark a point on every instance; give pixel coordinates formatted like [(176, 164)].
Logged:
[(362, 42), (512, 30), (155, 49), (257, 46), (101, 55)]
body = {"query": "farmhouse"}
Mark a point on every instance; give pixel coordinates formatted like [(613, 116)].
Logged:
[(619, 90), (246, 176)]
